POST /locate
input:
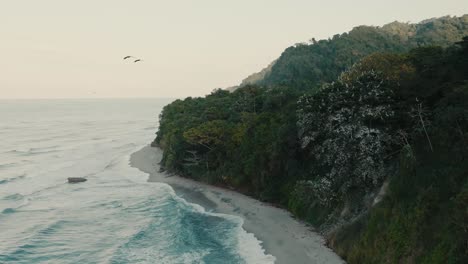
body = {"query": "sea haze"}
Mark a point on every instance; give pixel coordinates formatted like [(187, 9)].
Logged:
[(114, 217)]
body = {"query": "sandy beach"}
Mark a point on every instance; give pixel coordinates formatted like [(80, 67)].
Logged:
[(289, 240)]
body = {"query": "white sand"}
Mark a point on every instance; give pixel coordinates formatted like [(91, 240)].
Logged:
[(290, 241)]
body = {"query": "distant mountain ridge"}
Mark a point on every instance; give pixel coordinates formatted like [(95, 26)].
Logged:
[(311, 64), (259, 76)]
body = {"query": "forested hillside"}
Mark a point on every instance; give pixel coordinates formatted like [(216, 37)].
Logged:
[(308, 65), (369, 147)]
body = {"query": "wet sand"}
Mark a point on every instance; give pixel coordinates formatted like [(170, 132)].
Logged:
[(289, 240)]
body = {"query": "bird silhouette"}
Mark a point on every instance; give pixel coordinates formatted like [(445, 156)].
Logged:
[(127, 57), (138, 60)]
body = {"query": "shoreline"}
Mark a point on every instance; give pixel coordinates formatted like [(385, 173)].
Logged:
[(284, 237)]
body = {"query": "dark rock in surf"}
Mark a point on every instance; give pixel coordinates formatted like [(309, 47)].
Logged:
[(76, 180)]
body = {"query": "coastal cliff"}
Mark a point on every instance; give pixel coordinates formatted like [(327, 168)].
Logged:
[(364, 135)]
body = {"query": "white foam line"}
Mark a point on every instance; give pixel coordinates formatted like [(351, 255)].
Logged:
[(249, 247)]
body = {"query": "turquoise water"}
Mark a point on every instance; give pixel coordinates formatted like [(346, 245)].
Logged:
[(114, 217)]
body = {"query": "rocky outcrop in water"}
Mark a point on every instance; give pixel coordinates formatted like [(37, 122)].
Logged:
[(76, 179)]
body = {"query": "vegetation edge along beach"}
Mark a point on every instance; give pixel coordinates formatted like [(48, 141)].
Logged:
[(363, 135), (281, 237)]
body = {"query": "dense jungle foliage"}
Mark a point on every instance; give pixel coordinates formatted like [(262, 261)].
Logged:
[(373, 155)]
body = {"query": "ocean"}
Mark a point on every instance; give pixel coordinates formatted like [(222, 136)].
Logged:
[(114, 217)]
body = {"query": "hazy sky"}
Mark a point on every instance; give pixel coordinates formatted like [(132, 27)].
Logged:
[(65, 48)]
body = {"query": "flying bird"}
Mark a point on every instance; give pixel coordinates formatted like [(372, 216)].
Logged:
[(138, 60), (127, 57)]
